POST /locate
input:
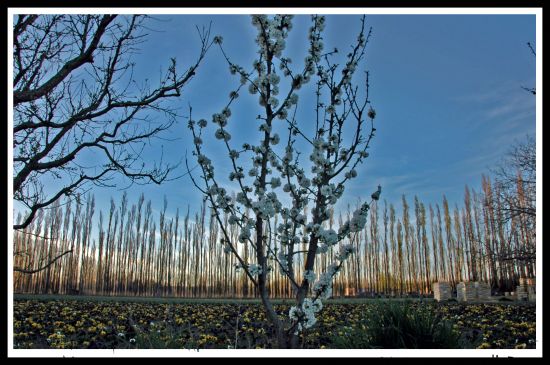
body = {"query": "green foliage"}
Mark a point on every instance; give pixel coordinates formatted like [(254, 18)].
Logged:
[(162, 336), (401, 325), (110, 324)]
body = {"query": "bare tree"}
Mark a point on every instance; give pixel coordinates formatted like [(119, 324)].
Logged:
[(515, 185), (297, 237), (80, 117), (517, 170)]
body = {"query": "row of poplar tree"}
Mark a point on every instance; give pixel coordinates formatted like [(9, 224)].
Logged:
[(132, 252)]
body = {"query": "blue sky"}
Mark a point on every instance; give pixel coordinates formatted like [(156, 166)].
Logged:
[(446, 89)]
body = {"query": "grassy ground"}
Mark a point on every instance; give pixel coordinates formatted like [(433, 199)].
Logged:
[(287, 301), (48, 321), (173, 300)]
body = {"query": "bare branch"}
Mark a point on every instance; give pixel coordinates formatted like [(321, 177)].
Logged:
[(71, 65), (74, 91), (34, 271)]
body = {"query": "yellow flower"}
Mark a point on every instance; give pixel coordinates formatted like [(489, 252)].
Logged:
[(484, 345)]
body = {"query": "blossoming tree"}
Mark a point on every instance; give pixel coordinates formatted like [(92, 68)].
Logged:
[(277, 169)]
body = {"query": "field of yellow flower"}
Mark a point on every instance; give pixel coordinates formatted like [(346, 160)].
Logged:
[(68, 323)]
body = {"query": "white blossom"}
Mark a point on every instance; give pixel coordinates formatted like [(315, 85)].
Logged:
[(267, 206), (220, 119), (252, 88), (241, 198), (222, 134), (233, 219), (357, 222), (343, 153), (254, 269), (203, 160), (294, 313), (244, 235), (265, 128), (323, 287), (310, 320), (235, 175), (293, 99), (310, 276), (282, 114), (322, 249), (328, 236), (244, 78), (274, 78), (351, 174), (310, 306), (346, 251), (283, 260), (300, 219), (371, 113), (326, 190), (275, 182), (304, 182)]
